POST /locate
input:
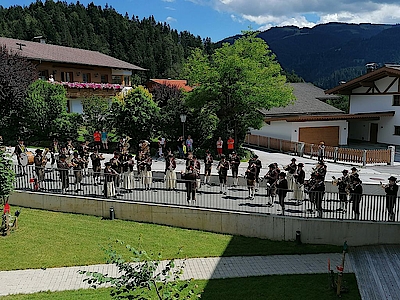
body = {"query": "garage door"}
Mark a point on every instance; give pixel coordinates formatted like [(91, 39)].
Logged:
[(314, 135)]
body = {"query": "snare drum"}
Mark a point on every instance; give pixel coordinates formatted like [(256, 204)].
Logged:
[(27, 158)]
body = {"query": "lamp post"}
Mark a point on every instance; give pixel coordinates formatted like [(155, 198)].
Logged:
[(183, 120)]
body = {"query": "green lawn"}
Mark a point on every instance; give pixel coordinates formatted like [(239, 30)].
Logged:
[(279, 287), (50, 239)]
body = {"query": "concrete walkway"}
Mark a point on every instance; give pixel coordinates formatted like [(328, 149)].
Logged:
[(59, 279)]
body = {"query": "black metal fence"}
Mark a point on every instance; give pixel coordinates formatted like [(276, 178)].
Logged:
[(372, 207)]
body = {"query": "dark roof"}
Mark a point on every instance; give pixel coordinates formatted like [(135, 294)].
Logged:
[(365, 80), (55, 53), (308, 102)]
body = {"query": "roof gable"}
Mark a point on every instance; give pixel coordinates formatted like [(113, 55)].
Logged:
[(62, 54), (308, 102)]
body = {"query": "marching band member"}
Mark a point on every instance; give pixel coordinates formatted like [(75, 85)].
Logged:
[(116, 165), (70, 147), (271, 177), (40, 163), (83, 151), (354, 174), (19, 149), (356, 191), (343, 184), (317, 192), (298, 188), (234, 163), (109, 179), (128, 182), (208, 160), (291, 169), (197, 167), (190, 175), (223, 167), (147, 176), (391, 190), (258, 164), (321, 151), (251, 179), (63, 168), (170, 175), (282, 189), (77, 165), (96, 165), (55, 152)]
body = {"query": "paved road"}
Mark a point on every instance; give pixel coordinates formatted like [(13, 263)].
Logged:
[(67, 278)]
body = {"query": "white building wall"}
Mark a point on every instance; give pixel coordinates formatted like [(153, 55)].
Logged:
[(371, 103), (290, 130)]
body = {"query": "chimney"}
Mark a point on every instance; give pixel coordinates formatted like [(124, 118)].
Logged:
[(371, 67), (40, 38)]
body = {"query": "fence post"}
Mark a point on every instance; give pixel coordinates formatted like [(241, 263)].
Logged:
[(280, 145), (311, 150), (269, 143), (364, 158), (258, 141), (392, 152), (301, 149), (335, 154)]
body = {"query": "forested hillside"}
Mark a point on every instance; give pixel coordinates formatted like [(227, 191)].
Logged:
[(329, 53), (146, 43)]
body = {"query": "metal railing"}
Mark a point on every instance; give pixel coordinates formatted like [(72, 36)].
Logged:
[(372, 207)]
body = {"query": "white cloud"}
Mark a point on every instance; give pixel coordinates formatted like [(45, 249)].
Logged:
[(170, 20), (270, 13), (169, 8), (168, 1)]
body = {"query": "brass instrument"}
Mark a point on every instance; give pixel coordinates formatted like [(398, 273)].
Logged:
[(44, 158), (126, 145), (335, 181)]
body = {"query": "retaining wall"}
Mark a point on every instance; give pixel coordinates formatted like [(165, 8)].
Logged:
[(314, 231)]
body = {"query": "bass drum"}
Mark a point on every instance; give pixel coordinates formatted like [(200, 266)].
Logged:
[(27, 158)]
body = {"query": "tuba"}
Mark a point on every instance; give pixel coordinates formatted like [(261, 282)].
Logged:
[(126, 145)]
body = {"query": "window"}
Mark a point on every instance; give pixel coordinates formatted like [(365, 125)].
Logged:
[(67, 77), (104, 78), (44, 75), (396, 130), (86, 77), (396, 100), (126, 80), (116, 79)]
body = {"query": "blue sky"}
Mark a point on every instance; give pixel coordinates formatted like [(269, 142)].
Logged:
[(218, 19)]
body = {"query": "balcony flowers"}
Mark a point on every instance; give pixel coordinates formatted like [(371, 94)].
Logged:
[(91, 85)]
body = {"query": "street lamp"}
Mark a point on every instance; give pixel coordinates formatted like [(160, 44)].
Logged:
[(183, 120)]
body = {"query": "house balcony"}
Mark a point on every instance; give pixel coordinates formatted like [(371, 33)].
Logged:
[(84, 90)]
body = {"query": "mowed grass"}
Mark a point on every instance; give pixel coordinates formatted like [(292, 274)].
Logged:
[(277, 287), (47, 239)]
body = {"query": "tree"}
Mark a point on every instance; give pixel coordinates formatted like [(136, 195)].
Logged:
[(7, 175), (16, 74), (45, 103), (235, 83), (140, 274), (135, 114), (96, 113)]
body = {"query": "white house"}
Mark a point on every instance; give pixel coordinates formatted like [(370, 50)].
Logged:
[(376, 96), (308, 119)]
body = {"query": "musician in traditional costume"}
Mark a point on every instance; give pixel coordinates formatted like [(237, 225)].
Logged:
[(354, 174), (63, 168), (208, 161), (223, 167), (83, 151), (234, 163), (40, 163), (77, 165), (96, 165), (317, 192), (281, 190), (391, 190), (145, 171), (19, 149), (190, 176), (117, 166), (321, 151), (128, 179), (170, 175), (251, 179), (70, 147), (258, 164), (271, 177), (298, 189), (54, 152), (308, 186), (291, 169), (356, 191), (343, 184), (197, 166), (109, 180)]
